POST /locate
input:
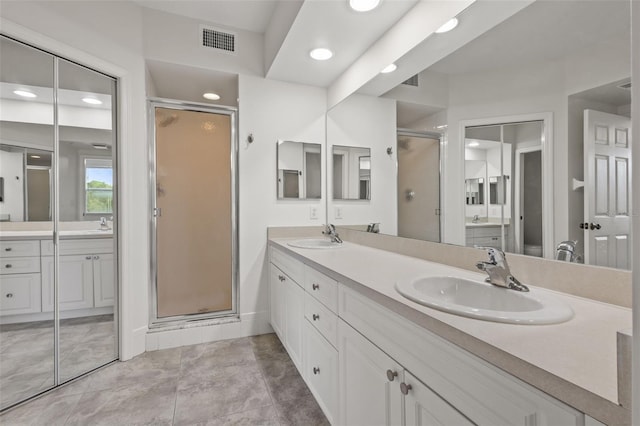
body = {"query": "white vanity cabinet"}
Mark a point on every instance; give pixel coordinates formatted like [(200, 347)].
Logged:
[(85, 275), (20, 277)]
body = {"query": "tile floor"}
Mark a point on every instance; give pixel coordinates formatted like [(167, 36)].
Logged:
[(248, 381), (26, 353)]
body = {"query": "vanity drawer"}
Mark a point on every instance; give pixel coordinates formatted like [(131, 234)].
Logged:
[(20, 294), (287, 264), (81, 246), (20, 265), (321, 287), (19, 248), (325, 321)]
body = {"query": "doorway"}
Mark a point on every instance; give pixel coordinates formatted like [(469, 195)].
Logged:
[(194, 232)]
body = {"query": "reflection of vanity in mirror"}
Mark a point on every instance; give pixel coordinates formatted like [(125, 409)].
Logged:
[(299, 170), (351, 173), (530, 112)]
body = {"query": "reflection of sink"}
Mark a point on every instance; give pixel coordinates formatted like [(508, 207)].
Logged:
[(484, 301), (314, 243)]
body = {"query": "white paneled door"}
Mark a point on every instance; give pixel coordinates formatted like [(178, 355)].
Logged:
[(607, 191)]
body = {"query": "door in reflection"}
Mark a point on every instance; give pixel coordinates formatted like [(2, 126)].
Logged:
[(194, 227)]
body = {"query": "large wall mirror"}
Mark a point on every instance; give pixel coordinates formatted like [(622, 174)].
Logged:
[(299, 170), (532, 110)]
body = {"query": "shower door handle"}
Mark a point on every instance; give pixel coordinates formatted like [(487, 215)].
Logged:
[(157, 212)]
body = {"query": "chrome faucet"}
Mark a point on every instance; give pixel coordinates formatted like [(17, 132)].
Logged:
[(330, 230), (498, 270), (104, 226)]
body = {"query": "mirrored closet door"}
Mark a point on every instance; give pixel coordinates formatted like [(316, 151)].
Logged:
[(58, 316)]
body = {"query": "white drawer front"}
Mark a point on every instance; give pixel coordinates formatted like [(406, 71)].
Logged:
[(287, 264), (81, 246), (20, 265), (20, 294), (20, 248), (325, 321), (321, 287), (321, 371)]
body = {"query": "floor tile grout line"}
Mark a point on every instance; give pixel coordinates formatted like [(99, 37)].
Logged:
[(175, 400), (273, 401)]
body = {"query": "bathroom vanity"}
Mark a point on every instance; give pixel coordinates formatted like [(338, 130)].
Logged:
[(86, 274), (371, 356)]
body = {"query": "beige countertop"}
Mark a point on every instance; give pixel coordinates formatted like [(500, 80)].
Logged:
[(575, 361)]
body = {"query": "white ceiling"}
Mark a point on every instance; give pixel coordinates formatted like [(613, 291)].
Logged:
[(249, 15)]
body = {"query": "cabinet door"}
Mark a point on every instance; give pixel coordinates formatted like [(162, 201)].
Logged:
[(75, 283), (103, 280), (294, 320), (276, 282), (19, 294), (367, 395), (321, 371), (423, 407)]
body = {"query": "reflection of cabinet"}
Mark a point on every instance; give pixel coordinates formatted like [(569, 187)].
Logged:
[(19, 277), (486, 236), (86, 274)]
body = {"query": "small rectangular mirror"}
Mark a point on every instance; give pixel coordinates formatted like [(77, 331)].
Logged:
[(475, 191), (298, 170), (351, 173)]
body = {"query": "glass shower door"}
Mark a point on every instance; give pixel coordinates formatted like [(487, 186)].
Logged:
[(194, 210)]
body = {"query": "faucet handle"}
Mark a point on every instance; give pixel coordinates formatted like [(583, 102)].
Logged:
[(494, 253)]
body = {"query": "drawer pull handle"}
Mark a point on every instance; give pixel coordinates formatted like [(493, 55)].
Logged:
[(405, 388), (316, 370), (9, 295), (96, 257), (315, 286), (8, 265), (88, 257), (8, 249), (316, 317), (391, 375), (281, 278)]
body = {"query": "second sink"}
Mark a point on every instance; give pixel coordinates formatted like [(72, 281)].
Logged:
[(477, 299), (314, 243)]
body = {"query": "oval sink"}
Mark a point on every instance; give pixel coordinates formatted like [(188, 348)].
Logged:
[(480, 300), (314, 243)]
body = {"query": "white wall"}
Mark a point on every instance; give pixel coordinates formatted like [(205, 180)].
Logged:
[(272, 111), (367, 121)]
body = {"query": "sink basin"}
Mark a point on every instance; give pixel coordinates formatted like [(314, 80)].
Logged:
[(480, 300), (314, 243)]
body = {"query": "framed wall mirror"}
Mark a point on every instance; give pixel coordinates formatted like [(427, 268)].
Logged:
[(299, 171), (541, 100), (351, 173)]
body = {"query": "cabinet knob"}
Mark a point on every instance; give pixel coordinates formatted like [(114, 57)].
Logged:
[(96, 257), (8, 265), (88, 257), (315, 286), (281, 278), (9, 295), (405, 388), (316, 317), (391, 375), (316, 370), (8, 249)]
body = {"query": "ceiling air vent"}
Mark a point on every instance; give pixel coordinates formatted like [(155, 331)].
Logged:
[(413, 81), (625, 86), (216, 39)]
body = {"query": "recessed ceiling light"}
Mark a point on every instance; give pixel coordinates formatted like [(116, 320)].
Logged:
[(363, 5), (321, 54), (448, 26), (35, 156), (389, 68), (211, 96), (25, 93), (474, 144), (92, 101)]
